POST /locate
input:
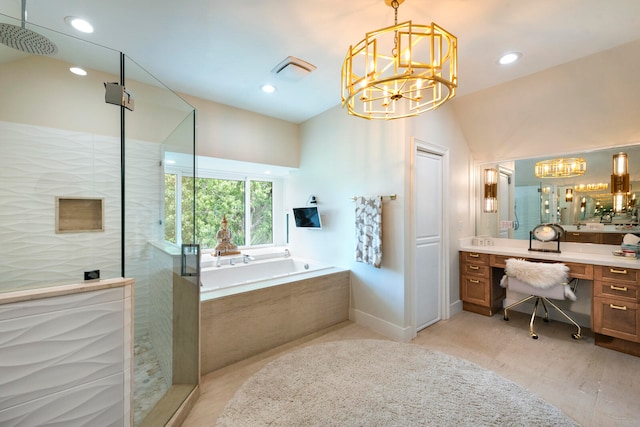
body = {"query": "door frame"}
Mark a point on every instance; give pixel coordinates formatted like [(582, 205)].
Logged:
[(445, 291)]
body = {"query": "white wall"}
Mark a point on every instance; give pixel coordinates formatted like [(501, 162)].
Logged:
[(344, 156), (593, 102), (230, 133)]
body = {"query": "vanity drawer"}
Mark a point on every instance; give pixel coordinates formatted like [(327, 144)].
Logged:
[(578, 237), (612, 238), (624, 291), (499, 260), (616, 274), (616, 318), (580, 271), (474, 258), (476, 270), (476, 290)]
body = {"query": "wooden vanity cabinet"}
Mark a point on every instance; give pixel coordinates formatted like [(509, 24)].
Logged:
[(594, 237), (612, 238), (479, 292), (614, 310), (579, 237)]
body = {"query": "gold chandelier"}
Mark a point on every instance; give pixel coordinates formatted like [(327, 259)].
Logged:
[(400, 71), (561, 168)]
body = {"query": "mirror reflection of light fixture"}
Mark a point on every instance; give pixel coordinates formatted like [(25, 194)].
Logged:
[(601, 186), (400, 71), (568, 195), (620, 175), (620, 182), (560, 168), (490, 204), (619, 202), (583, 204)]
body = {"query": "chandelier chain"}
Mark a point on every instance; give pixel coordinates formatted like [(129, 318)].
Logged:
[(395, 5)]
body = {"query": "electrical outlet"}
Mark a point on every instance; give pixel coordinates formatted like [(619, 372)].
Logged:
[(92, 275)]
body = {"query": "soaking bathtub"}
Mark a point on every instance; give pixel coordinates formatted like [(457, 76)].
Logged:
[(250, 308), (243, 277)]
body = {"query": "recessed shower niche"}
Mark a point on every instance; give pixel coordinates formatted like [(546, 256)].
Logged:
[(78, 214)]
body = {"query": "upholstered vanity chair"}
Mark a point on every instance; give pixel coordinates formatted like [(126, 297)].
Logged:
[(540, 281)]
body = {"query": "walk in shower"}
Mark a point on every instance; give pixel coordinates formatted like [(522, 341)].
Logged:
[(63, 149)]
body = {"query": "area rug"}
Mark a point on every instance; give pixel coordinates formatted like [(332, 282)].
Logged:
[(382, 383)]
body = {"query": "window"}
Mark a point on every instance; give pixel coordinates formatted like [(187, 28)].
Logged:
[(246, 203)]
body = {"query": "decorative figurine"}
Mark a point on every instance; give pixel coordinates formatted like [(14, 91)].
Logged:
[(223, 236)]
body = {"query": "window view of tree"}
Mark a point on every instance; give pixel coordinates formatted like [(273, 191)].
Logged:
[(216, 198), (261, 212), (170, 208)]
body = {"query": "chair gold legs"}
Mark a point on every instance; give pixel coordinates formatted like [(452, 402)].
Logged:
[(544, 300)]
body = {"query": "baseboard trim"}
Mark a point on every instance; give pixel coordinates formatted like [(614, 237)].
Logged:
[(388, 329)]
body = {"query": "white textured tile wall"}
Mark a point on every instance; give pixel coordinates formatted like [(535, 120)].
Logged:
[(62, 360), (39, 163)]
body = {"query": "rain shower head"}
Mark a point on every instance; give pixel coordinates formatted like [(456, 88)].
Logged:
[(26, 40)]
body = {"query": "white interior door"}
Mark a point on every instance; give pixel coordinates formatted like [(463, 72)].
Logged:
[(428, 197)]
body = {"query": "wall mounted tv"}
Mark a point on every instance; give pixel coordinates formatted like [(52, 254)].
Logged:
[(307, 217)]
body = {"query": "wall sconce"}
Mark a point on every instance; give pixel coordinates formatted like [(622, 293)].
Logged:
[(583, 204), (490, 204), (620, 175), (568, 195), (546, 206)]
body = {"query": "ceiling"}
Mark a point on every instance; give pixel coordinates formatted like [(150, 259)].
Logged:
[(224, 50)]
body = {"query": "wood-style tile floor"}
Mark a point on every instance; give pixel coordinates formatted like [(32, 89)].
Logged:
[(593, 385)]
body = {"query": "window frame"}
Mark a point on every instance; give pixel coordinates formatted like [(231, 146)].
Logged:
[(277, 187)]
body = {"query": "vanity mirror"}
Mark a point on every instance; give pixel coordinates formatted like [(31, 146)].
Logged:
[(578, 196)]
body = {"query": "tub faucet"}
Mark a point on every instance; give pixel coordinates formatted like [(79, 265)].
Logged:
[(218, 259), (247, 258), (286, 253), (232, 261)]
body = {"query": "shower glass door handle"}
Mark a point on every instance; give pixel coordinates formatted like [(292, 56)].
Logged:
[(190, 260)]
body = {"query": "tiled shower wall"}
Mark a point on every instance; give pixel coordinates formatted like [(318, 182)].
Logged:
[(39, 163)]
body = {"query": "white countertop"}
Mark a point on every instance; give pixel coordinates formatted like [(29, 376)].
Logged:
[(601, 228), (584, 253), (54, 291)]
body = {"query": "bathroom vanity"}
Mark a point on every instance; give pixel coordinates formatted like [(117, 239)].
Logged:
[(66, 355), (614, 281)]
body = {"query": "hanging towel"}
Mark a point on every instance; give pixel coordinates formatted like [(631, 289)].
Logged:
[(369, 230)]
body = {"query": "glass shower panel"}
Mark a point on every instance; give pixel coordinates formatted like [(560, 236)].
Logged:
[(59, 163), (166, 303)]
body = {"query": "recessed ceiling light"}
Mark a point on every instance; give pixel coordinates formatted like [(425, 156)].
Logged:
[(78, 71), (79, 24), (509, 58), (268, 88)]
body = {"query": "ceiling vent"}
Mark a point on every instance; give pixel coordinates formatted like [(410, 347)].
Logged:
[(293, 69)]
